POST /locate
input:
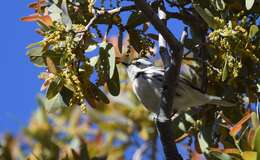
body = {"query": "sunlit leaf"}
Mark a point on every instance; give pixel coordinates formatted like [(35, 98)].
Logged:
[(222, 156), (51, 66), (91, 48), (225, 71), (255, 121), (189, 118), (36, 56), (220, 4), (54, 9), (233, 151), (204, 146), (65, 15), (253, 30), (249, 155), (94, 60), (256, 142), (112, 61), (249, 4)]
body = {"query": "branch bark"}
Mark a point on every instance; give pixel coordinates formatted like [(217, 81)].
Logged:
[(172, 70)]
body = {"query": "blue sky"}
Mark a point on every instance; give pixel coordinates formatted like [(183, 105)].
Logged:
[(18, 81)]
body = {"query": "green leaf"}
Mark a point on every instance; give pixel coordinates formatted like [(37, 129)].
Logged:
[(114, 84), (253, 30), (256, 142), (91, 48), (53, 104), (225, 71), (182, 126), (102, 65), (66, 95), (100, 96), (36, 56), (221, 155), (93, 60), (220, 4), (255, 120), (37, 44), (203, 143), (41, 115), (249, 4), (56, 1), (112, 60), (54, 88), (55, 17), (55, 57), (189, 118), (122, 136), (36, 51), (249, 155), (83, 150), (54, 9), (207, 16), (65, 15)]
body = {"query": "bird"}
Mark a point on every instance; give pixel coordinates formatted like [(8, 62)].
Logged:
[(147, 81)]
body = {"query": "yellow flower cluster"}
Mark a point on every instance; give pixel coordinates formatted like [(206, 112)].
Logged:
[(232, 43), (64, 43)]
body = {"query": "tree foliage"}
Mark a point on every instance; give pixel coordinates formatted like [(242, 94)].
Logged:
[(81, 61)]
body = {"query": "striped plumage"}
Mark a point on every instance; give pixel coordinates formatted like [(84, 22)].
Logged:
[(147, 85)]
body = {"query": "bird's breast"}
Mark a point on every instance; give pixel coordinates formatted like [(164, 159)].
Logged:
[(146, 92)]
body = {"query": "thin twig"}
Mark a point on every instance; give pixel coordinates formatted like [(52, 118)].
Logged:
[(90, 22)]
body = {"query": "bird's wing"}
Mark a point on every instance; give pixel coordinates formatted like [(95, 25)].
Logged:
[(185, 75), (155, 73)]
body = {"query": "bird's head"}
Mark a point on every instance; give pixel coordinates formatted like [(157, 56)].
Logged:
[(137, 66), (141, 63)]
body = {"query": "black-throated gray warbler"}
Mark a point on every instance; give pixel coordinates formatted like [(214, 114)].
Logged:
[(147, 83)]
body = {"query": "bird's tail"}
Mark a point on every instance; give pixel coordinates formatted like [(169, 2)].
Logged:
[(220, 102)]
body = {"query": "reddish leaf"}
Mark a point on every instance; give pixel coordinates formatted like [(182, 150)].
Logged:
[(238, 126), (46, 20), (30, 18), (37, 5)]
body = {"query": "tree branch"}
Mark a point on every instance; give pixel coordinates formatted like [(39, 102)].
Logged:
[(172, 70)]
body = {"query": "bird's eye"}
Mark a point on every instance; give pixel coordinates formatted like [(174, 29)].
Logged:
[(137, 63)]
